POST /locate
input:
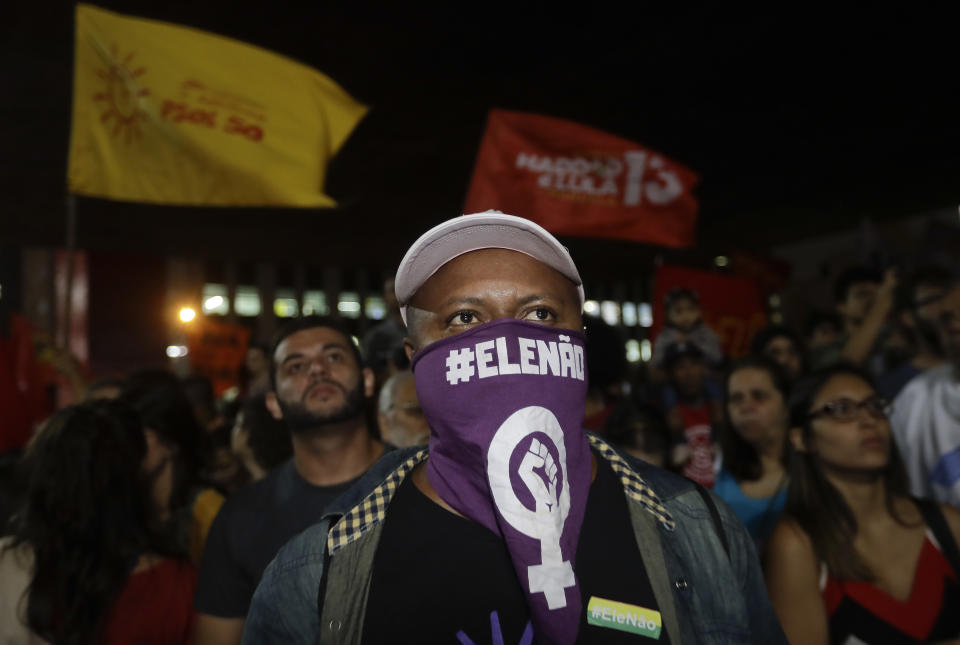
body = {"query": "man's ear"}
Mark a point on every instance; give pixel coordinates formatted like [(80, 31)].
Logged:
[(796, 439), (408, 348), (273, 405), (384, 422), (369, 382)]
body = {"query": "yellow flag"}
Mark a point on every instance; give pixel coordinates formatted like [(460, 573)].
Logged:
[(169, 114)]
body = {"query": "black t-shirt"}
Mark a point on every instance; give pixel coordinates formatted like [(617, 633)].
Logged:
[(251, 527), (440, 578)]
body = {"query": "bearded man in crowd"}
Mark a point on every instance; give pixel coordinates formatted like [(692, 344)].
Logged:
[(320, 390)]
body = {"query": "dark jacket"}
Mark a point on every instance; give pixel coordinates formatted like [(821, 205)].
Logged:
[(705, 594)]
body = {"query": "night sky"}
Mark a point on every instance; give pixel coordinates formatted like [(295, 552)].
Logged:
[(799, 124)]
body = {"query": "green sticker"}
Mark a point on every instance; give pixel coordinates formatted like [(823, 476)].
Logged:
[(626, 618)]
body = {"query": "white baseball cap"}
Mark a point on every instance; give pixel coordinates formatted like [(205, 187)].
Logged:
[(488, 230)]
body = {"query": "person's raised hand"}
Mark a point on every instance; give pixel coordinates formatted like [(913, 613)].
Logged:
[(888, 288)]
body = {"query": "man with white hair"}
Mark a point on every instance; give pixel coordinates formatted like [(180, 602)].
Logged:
[(514, 524), (402, 424)]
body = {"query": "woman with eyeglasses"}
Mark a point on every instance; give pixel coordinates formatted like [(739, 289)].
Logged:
[(856, 559)]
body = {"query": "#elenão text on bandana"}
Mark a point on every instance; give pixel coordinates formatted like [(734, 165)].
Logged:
[(492, 358), (505, 404)]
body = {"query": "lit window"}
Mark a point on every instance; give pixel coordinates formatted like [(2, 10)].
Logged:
[(721, 261), (633, 350), (610, 312), (315, 303), (247, 301), (646, 350), (629, 312), (591, 307), (285, 304), (374, 308), (349, 304), (645, 314), (215, 299)]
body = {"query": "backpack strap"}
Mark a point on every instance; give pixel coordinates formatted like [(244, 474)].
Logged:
[(937, 524), (715, 514)]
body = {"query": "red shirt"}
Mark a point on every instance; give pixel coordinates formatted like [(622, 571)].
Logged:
[(860, 610), (155, 607), (699, 438)]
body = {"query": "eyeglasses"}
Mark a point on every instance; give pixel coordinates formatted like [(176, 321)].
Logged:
[(848, 409)]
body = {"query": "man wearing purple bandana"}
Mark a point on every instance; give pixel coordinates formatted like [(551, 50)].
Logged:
[(514, 525)]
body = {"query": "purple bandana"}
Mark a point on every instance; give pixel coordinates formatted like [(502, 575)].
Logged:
[(505, 403)]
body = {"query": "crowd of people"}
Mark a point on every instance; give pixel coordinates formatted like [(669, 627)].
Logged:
[(483, 467)]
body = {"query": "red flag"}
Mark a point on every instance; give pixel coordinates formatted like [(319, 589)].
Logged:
[(15, 422), (731, 306), (770, 274), (24, 401), (574, 180)]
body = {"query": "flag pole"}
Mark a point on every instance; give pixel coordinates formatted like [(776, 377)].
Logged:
[(71, 225), (71, 248)]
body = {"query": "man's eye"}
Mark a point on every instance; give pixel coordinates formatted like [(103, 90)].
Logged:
[(335, 357), (293, 368), (541, 314), (463, 318)]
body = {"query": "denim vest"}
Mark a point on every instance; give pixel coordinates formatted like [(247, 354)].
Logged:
[(705, 595)]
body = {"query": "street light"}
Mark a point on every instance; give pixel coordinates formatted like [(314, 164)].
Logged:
[(187, 314), (177, 351)]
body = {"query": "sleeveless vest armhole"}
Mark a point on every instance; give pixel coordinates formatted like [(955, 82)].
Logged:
[(715, 515)]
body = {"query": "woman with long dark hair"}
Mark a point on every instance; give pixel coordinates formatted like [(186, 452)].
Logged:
[(856, 559), (753, 479), (175, 447), (84, 563), (260, 441)]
